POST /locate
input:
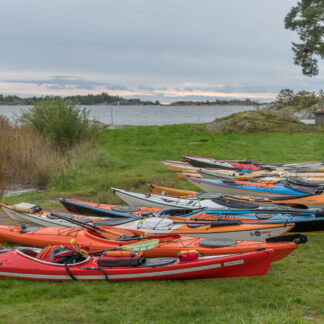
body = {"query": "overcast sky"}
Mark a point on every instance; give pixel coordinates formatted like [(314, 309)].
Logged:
[(161, 49)]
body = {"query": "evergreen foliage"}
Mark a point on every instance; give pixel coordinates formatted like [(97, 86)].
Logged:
[(307, 18), (287, 97)]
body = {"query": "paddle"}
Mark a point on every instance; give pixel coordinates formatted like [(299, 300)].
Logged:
[(211, 222), (101, 230), (90, 227), (138, 246)]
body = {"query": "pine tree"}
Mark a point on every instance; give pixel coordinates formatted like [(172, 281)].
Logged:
[(307, 18)]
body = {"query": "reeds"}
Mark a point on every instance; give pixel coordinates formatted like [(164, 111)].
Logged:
[(27, 158)]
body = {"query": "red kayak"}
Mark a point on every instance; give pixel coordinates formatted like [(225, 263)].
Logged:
[(169, 244), (24, 263)]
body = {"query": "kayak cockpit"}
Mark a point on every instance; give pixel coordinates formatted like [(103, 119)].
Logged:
[(33, 253)]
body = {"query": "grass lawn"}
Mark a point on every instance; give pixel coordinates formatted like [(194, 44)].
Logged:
[(291, 292)]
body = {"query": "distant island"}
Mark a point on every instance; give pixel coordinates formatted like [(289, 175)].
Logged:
[(106, 99)]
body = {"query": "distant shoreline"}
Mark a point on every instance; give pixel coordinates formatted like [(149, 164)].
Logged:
[(107, 100), (160, 105)]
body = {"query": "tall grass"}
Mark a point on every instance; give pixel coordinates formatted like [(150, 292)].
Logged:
[(27, 158)]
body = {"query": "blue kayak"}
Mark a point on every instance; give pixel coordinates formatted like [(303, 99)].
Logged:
[(265, 189), (305, 221)]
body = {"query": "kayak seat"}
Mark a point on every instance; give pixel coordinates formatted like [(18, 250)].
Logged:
[(125, 209), (57, 253), (156, 262), (114, 221), (26, 229), (217, 242)]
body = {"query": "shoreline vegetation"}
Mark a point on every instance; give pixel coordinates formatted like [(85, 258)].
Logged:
[(296, 103), (106, 99)]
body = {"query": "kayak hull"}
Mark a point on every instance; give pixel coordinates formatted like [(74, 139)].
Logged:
[(220, 187), (168, 247), (17, 264), (151, 200)]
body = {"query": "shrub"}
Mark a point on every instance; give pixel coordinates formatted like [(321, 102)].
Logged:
[(62, 122)]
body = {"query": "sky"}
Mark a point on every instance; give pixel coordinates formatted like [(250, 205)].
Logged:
[(152, 50)]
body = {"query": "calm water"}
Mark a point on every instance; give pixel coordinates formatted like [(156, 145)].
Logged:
[(148, 115)]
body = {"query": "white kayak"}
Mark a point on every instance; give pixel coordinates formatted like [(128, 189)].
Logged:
[(157, 225), (152, 200), (202, 200)]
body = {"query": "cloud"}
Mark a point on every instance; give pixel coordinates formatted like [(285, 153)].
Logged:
[(145, 87), (162, 49), (71, 85), (66, 82)]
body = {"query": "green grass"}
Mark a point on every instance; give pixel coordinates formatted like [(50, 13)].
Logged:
[(291, 292)]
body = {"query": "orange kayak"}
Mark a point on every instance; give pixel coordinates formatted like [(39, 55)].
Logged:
[(168, 247)]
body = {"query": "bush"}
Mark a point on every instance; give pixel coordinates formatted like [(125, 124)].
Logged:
[(62, 122)]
